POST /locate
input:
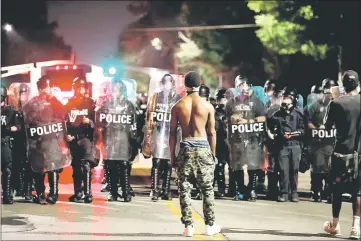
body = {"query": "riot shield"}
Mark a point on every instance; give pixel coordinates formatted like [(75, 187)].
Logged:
[(164, 92), (271, 150), (337, 91), (46, 130), (320, 141), (115, 124), (246, 133), (19, 94)]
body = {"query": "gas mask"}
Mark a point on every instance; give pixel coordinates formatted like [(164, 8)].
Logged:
[(287, 105)]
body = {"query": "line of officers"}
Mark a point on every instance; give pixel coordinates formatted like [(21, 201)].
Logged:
[(284, 149), (296, 138), (42, 136)]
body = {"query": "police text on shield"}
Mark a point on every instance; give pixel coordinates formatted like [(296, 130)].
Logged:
[(248, 128), (47, 129)]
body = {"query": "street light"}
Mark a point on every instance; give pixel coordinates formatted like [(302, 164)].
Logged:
[(157, 43), (112, 70), (8, 27)]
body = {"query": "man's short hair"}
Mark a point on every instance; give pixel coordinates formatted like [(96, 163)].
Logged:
[(43, 82), (192, 80)]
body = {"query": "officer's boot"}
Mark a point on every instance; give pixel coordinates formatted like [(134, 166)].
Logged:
[(127, 196), (167, 194), (232, 187), (129, 174), (40, 189), (221, 182), (155, 181), (272, 189), (78, 193), (54, 187), (6, 184), (252, 185), (87, 175), (107, 176), (114, 174), (239, 180), (28, 180)]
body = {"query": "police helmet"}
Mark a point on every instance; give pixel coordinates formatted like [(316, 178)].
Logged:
[(291, 93), (269, 85), (316, 89), (220, 93), (328, 83), (79, 82), (4, 92), (23, 88), (43, 82), (204, 91), (240, 79), (168, 78)]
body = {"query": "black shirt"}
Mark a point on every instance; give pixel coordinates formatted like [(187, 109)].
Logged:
[(345, 113)]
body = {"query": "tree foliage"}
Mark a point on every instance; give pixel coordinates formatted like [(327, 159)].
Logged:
[(283, 25)]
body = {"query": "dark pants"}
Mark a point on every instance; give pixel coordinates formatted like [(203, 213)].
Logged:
[(6, 168), (53, 178), (83, 163), (219, 177), (342, 181), (288, 162), (161, 169), (317, 185), (119, 172)]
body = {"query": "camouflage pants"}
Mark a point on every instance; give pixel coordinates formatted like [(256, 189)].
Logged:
[(200, 162)]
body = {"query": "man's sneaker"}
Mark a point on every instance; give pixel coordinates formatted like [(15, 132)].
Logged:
[(335, 231), (188, 231), (355, 233), (212, 230)]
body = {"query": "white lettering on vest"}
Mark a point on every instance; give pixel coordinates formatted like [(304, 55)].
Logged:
[(3, 120), (243, 107), (74, 113), (248, 128), (116, 118), (47, 129), (160, 116), (322, 133)]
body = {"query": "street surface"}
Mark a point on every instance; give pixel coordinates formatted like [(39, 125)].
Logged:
[(142, 219)]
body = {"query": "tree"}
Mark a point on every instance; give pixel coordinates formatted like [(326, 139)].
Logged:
[(310, 28)]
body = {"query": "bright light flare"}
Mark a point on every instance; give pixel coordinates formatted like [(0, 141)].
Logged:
[(57, 67), (66, 67), (112, 70), (157, 43), (8, 27), (75, 67)]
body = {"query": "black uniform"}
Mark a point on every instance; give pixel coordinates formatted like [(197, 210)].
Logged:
[(291, 120), (81, 146), (9, 118), (345, 113)]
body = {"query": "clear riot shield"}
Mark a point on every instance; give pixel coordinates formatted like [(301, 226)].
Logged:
[(337, 91), (246, 133), (164, 92), (274, 106), (320, 141), (46, 130), (131, 85), (115, 124), (19, 94)]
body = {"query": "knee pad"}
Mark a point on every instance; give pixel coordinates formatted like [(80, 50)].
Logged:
[(7, 171), (86, 166), (156, 163)]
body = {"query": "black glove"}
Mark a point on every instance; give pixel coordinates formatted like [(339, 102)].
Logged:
[(304, 163)]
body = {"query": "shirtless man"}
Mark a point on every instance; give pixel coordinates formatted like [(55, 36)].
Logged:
[(197, 152)]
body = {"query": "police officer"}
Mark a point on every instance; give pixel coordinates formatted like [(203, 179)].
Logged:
[(24, 178), (222, 148), (213, 101), (32, 117), (10, 124), (287, 128), (80, 124), (204, 92), (320, 142)]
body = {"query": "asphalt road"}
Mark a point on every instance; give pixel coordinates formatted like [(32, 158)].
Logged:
[(145, 220)]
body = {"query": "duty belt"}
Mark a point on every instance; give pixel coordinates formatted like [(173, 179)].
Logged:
[(290, 143)]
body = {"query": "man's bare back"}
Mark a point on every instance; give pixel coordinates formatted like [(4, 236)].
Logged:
[(196, 117)]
